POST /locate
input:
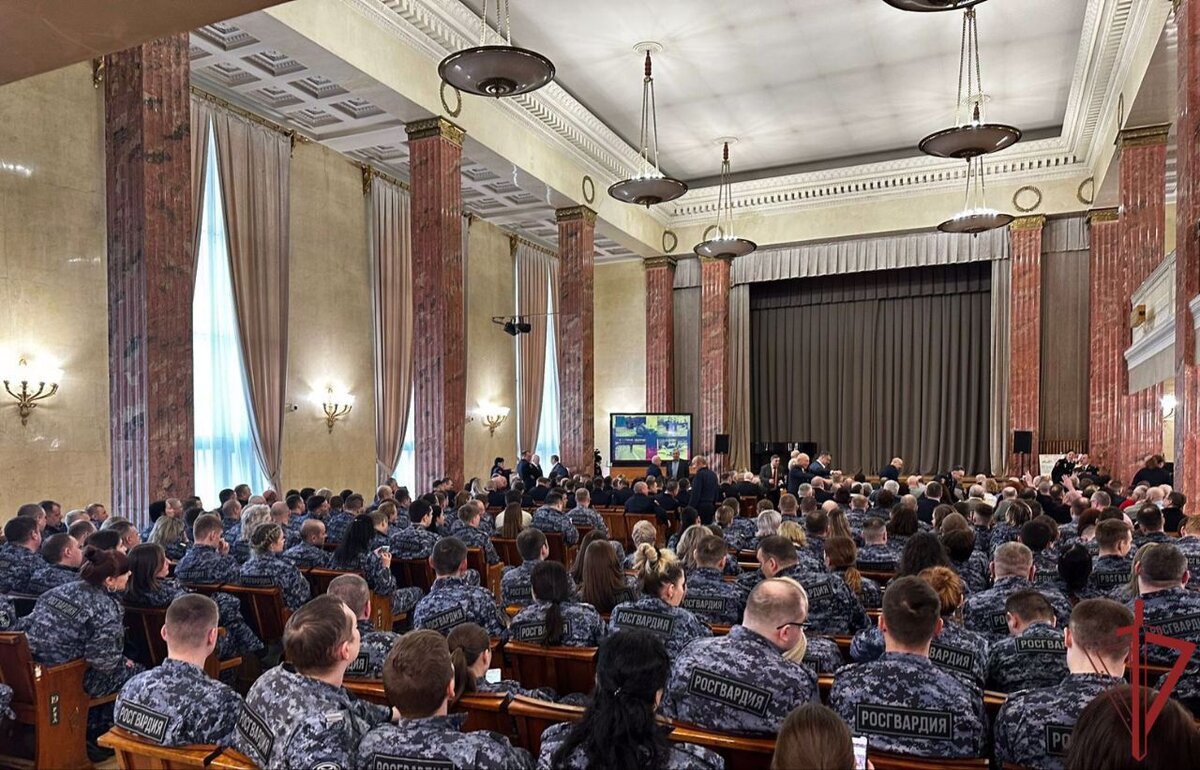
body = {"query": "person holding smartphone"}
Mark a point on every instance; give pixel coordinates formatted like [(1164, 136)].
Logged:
[(359, 553), (814, 736)]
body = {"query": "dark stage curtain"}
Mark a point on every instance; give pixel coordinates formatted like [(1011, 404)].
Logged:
[(876, 365)]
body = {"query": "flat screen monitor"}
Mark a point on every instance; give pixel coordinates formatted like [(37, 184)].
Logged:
[(638, 437)]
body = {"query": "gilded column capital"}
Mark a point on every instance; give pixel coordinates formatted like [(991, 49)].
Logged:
[(1102, 215), (1143, 136), (667, 261), (1035, 222), (438, 126), (574, 213)]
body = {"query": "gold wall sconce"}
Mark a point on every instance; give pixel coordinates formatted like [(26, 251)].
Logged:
[(490, 415), (335, 405), (29, 385)]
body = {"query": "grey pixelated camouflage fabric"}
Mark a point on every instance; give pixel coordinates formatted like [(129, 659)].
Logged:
[(17, 565), (587, 517), (1171, 612), (961, 653), (239, 638), (1109, 572), (203, 565), (823, 655), (737, 683), (1033, 728), (477, 537), (548, 519), (984, 612), (676, 627), (451, 602), (878, 558), (748, 580), (267, 570), (177, 704), (372, 652), (413, 543), (438, 743), (380, 580), (1036, 658), (906, 705), (833, 609), (306, 556), (8, 613), (974, 571), (712, 599), (583, 626), (680, 756), (50, 576)]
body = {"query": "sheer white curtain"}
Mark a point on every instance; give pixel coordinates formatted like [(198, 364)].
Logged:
[(225, 455), (406, 469), (548, 429)]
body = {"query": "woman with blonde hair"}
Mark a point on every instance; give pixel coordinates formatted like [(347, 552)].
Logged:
[(643, 533), (768, 524), (663, 586), (253, 516), (685, 549), (171, 534)]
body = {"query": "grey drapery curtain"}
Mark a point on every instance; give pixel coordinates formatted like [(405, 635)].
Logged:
[(687, 352), (392, 303), (739, 379), (1065, 335), (201, 114), (873, 365), (537, 276), (255, 163), (998, 362)]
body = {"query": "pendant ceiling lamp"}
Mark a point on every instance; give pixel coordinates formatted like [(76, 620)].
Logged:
[(970, 135), (976, 217), (650, 185), (927, 6), (496, 70), (725, 244)]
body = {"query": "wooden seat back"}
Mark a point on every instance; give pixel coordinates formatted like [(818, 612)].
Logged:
[(232, 759), (824, 686), (413, 572), (51, 700), (381, 605), (559, 550), (748, 507), (486, 711), (370, 690), (506, 548), (885, 761), (739, 752), (133, 753), (533, 717), (263, 608), (617, 529), (566, 669), (143, 628), (489, 574)]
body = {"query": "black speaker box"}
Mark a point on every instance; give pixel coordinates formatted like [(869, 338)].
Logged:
[(1022, 442), (721, 443)]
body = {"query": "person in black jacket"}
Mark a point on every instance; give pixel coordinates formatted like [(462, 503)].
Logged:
[(798, 473), (677, 468), (704, 490), (1153, 474), (525, 470), (892, 470), (641, 502)]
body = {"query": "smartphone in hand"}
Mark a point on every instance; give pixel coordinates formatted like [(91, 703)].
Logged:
[(860, 752)]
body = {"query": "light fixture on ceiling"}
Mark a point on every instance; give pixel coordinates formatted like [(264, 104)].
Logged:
[(496, 70), (926, 6), (970, 135), (975, 217), (725, 244), (650, 185)]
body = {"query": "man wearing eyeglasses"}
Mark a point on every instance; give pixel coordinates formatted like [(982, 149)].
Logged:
[(743, 682)]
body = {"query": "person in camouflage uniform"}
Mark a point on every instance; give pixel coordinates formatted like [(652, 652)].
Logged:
[(876, 554), (583, 515), (298, 714), (419, 680), (1035, 655), (1113, 566), (709, 597), (741, 682), (8, 614), (970, 563), (177, 703), (471, 653), (1033, 728), (777, 557), (63, 557), (515, 587), (357, 554), (19, 557), (417, 541), (1168, 607), (1188, 544), (450, 600), (267, 569), (1012, 571), (469, 531), (308, 553), (658, 611), (207, 561), (550, 518), (374, 644), (553, 619), (902, 702)]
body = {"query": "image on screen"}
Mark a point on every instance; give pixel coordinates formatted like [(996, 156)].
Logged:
[(636, 438)]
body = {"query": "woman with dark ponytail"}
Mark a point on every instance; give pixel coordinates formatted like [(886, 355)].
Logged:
[(471, 654), (359, 553), (618, 731), (554, 620)]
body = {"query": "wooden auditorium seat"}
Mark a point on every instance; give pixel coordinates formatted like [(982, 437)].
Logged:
[(507, 550), (559, 550), (739, 752), (533, 717), (232, 759), (566, 669), (617, 529), (414, 572), (143, 628), (486, 711), (489, 574), (133, 753), (884, 761), (748, 507), (263, 608), (631, 520)]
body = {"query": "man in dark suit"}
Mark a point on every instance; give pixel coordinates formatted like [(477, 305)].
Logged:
[(746, 486), (704, 490), (655, 470), (798, 473), (558, 470), (668, 499), (930, 500), (676, 468), (821, 466), (497, 489), (535, 467), (621, 491), (641, 502), (540, 490), (525, 470), (892, 470), (773, 475)]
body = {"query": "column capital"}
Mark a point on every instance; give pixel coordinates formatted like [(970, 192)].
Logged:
[(573, 213), (1035, 222), (1143, 136), (1098, 216), (438, 126), (652, 263), (722, 258)]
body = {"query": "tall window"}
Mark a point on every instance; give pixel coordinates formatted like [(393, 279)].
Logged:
[(225, 455), (547, 434), (406, 469)]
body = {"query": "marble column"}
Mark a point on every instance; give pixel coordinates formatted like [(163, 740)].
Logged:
[(1143, 191), (1187, 253), (660, 334), (151, 275), (714, 355), (576, 381), (1106, 354), (1024, 376), (439, 338)]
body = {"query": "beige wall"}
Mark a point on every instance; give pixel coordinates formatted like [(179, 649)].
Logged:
[(491, 354), (53, 301), (329, 335), (620, 362)]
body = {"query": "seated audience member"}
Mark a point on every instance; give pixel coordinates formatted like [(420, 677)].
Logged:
[(469, 530), (267, 569), (1189, 545), (833, 608), (841, 557), (740, 532), (902, 524), (1173, 515), (1012, 518), (150, 586), (1102, 731), (961, 653), (1033, 728), (1129, 591), (619, 729), (603, 583), (207, 561), (876, 554), (471, 654), (417, 541), (920, 552), (902, 702), (19, 557), (419, 680), (1169, 608), (62, 557), (970, 563), (514, 582), (642, 532), (709, 597), (374, 645), (550, 518), (552, 619), (689, 518), (177, 703), (777, 557), (97, 513), (298, 714), (1038, 536), (814, 737), (84, 620), (107, 540), (451, 600), (512, 519), (583, 515), (641, 502), (53, 524), (741, 682), (1012, 570), (663, 587), (357, 554), (668, 499), (1150, 525), (1074, 573), (1114, 564), (171, 534), (309, 553), (127, 532), (341, 517), (767, 525), (1034, 655), (81, 530), (685, 547)]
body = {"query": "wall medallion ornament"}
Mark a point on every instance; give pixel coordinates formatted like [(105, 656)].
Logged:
[(1086, 192), (456, 110), (1027, 199), (669, 241), (589, 189)]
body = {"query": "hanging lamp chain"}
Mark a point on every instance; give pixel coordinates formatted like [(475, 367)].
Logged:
[(649, 133), (507, 30), (969, 108)]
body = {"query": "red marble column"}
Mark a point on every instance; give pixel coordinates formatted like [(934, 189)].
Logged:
[(1024, 377), (151, 274), (1106, 354), (660, 334), (1187, 253), (714, 354), (576, 382), (439, 338), (1143, 191)]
